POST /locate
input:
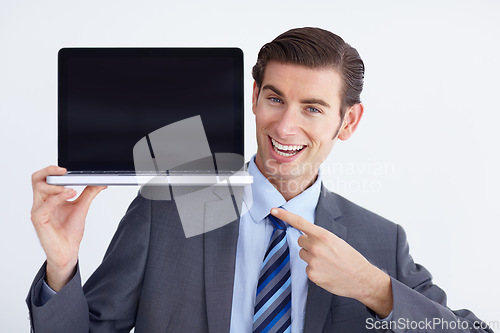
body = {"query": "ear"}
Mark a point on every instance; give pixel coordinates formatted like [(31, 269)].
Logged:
[(255, 96), (351, 121)]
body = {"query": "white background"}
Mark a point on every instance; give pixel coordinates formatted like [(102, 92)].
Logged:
[(424, 156)]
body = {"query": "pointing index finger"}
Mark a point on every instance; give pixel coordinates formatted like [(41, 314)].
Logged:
[(295, 221)]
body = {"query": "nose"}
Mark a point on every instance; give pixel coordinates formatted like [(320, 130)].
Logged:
[(288, 123)]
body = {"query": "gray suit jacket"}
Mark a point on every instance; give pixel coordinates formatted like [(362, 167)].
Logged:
[(155, 279)]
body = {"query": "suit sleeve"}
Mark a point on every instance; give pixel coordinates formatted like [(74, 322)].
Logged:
[(109, 300), (417, 300)]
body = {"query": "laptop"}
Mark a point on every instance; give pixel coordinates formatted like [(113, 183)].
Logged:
[(135, 116)]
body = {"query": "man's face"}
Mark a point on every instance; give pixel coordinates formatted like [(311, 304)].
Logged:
[(297, 119)]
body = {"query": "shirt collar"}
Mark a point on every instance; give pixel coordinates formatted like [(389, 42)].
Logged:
[(265, 196)]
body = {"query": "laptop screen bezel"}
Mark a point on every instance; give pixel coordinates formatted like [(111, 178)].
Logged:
[(66, 54)]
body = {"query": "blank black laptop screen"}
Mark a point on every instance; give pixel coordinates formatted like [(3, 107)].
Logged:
[(110, 98)]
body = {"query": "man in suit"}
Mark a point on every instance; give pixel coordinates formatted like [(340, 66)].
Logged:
[(319, 263)]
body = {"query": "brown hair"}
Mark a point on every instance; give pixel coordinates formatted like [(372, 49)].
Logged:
[(316, 48)]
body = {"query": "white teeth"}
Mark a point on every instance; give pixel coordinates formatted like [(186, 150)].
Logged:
[(293, 149), (283, 147), (284, 154)]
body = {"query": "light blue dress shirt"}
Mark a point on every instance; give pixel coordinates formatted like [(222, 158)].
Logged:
[(254, 235)]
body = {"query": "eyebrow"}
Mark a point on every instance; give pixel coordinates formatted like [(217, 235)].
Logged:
[(273, 88), (305, 101)]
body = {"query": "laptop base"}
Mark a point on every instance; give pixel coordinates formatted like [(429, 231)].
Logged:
[(237, 179)]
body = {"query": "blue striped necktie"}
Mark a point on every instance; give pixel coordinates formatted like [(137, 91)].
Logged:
[(272, 311)]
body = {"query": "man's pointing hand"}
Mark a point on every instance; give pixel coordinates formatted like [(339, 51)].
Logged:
[(337, 267)]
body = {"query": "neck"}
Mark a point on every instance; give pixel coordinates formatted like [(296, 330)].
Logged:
[(290, 187)]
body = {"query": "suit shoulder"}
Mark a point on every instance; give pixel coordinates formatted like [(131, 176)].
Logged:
[(355, 214)]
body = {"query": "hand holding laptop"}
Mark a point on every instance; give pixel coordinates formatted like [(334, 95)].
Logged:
[(59, 223)]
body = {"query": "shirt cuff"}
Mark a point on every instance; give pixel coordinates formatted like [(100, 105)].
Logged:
[(46, 293)]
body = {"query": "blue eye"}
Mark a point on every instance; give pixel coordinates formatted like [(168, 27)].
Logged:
[(275, 99), (313, 110)]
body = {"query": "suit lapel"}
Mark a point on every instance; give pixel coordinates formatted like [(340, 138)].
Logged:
[(318, 299), (220, 258)]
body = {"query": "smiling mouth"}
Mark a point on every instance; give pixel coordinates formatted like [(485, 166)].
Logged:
[(286, 150)]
